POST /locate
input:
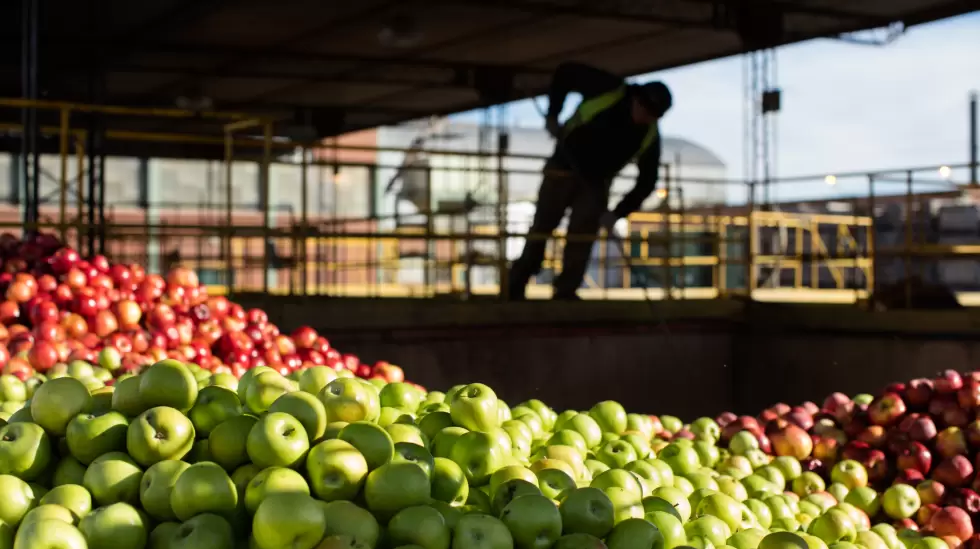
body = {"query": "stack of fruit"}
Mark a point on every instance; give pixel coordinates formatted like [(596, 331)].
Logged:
[(57, 308), (179, 457)]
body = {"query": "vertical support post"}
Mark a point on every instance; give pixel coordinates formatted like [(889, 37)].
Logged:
[(101, 199), (503, 197), (93, 180), (870, 246), (79, 188), (229, 193), (304, 200), (63, 174), (974, 146), (907, 254), (431, 251), (750, 248), (268, 243), (668, 247)]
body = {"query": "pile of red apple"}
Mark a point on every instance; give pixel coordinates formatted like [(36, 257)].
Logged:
[(924, 434), (58, 308)]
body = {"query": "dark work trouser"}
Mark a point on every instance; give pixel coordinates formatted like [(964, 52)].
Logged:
[(559, 192)]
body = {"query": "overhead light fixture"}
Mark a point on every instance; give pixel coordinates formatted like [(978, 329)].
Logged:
[(401, 32), (830, 180)]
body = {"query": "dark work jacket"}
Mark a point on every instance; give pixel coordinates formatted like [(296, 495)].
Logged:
[(598, 150)]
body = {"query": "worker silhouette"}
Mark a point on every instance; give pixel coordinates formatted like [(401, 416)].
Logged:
[(615, 123)]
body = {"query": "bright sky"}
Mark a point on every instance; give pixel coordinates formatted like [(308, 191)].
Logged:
[(845, 107)]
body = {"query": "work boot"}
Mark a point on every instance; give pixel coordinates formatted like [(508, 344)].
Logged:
[(565, 296)]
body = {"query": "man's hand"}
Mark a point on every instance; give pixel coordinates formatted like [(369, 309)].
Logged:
[(553, 126), (608, 221)]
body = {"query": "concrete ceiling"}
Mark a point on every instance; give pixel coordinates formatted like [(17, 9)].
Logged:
[(326, 62)]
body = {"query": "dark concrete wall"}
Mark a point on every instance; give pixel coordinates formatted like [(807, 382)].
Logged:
[(682, 358)]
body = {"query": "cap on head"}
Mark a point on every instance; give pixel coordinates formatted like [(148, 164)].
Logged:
[(656, 97)]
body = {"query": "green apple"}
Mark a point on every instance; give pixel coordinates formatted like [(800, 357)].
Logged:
[(449, 483), (18, 499), (509, 491), (336, 470), (48, 511), (247, 378), (618, 478), (344, 542), (587, 511), (596, 468), (789, 466), (407, 432), (610, 415), (871, 540), (888, 534), (850, 473), (419, 525), (747, 539), (403, 396), (416, 454), (706, 428), (721, 506), (511, 472), (838, 490), (627, 504), (126, 397), (567, 437), (568, 455), (731, 487), (773, 475), (117, 525), (214, 405), (677, 499), (930, 542), (395, 486), (758, 487), (226, 380), (784, 540), (264, 389), (475, 408), (533, 520), (547, 415), (670, 528), (347, 399), (478, 502), (49, 534), (56, 402), (307, 409), (478, 455), (312, 380), (68, 471), (159, 433), (90, 435), (432, 423), (344, 518), (73, 497), (742, 442), (277, 440), (25, 450), (700, 480), (292, 520), (270, 481), (168, 383), (711, 528), (708, 453), (654, 503), (113, 478), (533, 422), (584, 425), (900, 501), (635, 533), (480, 531), (866, 499), (227, 441), (761, 512), (682, 460), (616, 454), (102, 400), (833, 526), (203, 531), (373, 442), (12, 389), (203, 488), (808, 483), (156, 486), (554, 482)]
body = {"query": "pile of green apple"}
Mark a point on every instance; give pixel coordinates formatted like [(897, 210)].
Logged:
[(180, 458)]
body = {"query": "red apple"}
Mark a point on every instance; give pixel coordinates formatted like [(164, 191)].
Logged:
[(965, 499), (886, 409), (930, 491), (948, 382), (43, 356), (952, 521), (926, 513), (914, 456), (954, 471)]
